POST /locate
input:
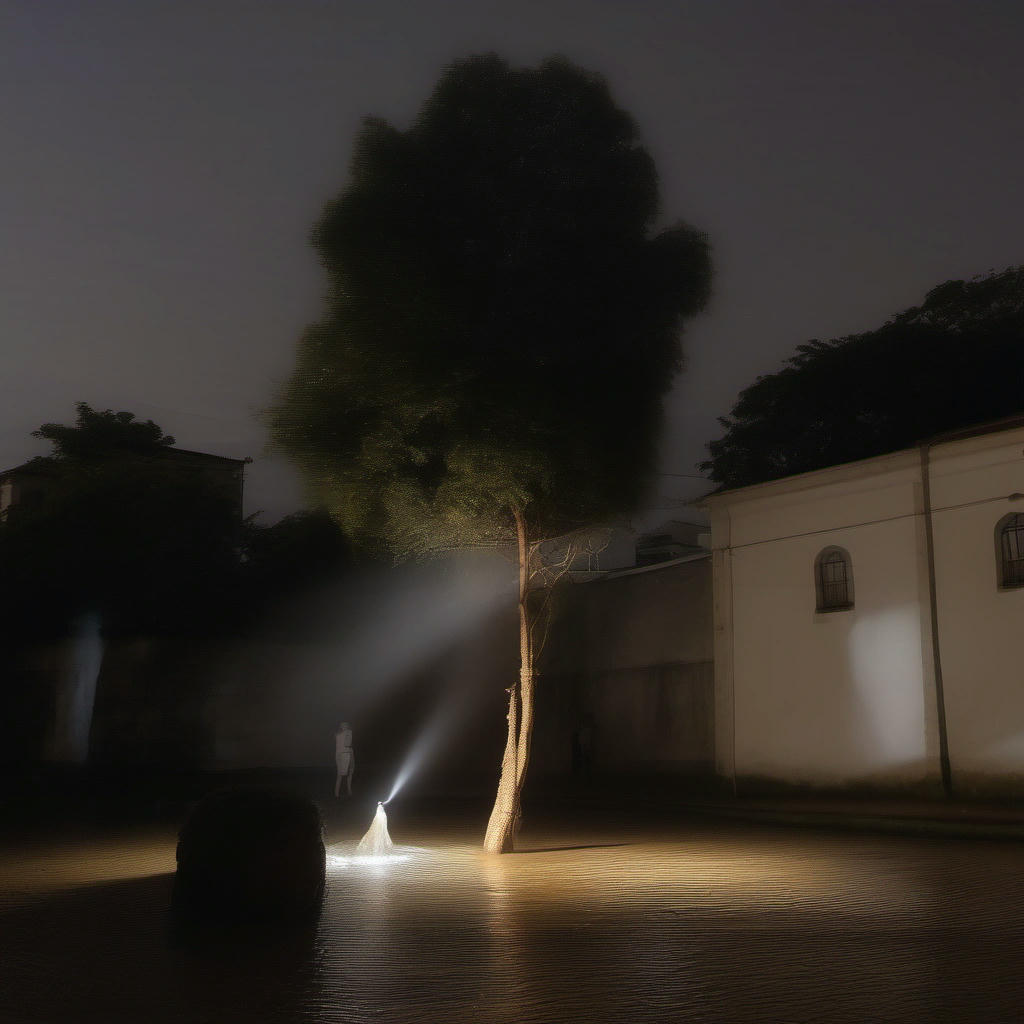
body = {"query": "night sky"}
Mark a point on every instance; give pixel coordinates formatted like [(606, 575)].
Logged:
[(162, 164)]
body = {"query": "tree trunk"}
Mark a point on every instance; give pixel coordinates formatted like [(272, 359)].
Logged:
[(504, 820), (501, 825)]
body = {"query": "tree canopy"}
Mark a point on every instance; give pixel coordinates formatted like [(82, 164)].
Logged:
[(503, 317), (503, 320), (954, 361), (106, 433)]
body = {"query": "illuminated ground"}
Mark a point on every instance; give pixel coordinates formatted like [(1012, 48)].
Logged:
[(590, 923)]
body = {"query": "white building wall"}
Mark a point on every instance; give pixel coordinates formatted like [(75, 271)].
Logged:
[(830, 698), (980, 626), (850, 696)]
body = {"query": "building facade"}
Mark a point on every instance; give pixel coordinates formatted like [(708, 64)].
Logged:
[(867, 621), (49, 708), (30, 483)]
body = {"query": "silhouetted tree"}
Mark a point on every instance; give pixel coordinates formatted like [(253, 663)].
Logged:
[(102, 435), (956, 360), (302, 549), (502, 322)]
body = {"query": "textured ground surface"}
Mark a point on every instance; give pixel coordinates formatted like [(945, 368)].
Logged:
[(624, 922)]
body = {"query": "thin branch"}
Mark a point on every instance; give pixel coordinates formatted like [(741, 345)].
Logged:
[(562, 553)]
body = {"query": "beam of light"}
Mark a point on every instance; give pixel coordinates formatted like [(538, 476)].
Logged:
[(76, 696), (414, 615), (463, 691), (427, 741), (362, 639)]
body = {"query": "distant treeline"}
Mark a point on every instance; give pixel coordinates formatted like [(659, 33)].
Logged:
[(954, 361)]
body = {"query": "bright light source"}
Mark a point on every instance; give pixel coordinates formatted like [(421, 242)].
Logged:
[(444, 719), (343, 856), (375, 849), (339, 861), (376, 842)]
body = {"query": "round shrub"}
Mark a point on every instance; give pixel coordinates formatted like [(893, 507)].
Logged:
[(251, 854)]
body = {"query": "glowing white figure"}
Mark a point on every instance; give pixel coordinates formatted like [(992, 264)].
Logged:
[(376, 842), (76, 694)]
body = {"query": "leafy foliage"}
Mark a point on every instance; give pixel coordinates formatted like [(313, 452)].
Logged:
[(502, 320), (102, 434), (955, 360)]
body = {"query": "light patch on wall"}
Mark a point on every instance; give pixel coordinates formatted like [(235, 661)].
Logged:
[(76, 694), (885, 666)]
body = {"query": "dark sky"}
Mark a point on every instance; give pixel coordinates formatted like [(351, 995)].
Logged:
[(162, 164)]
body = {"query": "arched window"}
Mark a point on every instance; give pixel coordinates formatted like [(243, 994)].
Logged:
[(1010, 550), (833, 580)]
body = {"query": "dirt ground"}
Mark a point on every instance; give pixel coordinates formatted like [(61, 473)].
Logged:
[(631, 916)]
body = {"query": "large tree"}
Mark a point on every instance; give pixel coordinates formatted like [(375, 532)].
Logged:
[(502, 321), (955, 360)]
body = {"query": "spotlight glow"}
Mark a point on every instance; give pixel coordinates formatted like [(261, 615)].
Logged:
[(377, 842), (442, 723), (340, 861), (374, 850), (76, 695)]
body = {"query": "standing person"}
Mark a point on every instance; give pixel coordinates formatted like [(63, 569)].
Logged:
[(344, 758)]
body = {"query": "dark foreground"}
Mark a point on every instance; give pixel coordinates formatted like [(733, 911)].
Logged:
[(595, 920)]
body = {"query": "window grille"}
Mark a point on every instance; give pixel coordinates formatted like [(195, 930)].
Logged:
[(834, 578), (1011, 550)]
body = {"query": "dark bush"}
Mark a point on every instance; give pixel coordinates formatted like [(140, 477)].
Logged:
[(252, 854)]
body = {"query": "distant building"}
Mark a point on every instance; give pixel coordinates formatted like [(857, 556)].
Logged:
[(671, 540), (622, 547), (29, 483), (868, 620), (58, 679), (25, 485)]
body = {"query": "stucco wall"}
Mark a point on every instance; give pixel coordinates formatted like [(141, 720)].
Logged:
[(849, 697), (839, 697), (980, 626), (634, 652)]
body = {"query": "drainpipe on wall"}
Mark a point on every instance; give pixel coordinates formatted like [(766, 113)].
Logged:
[(732, 644), (940, 701)]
